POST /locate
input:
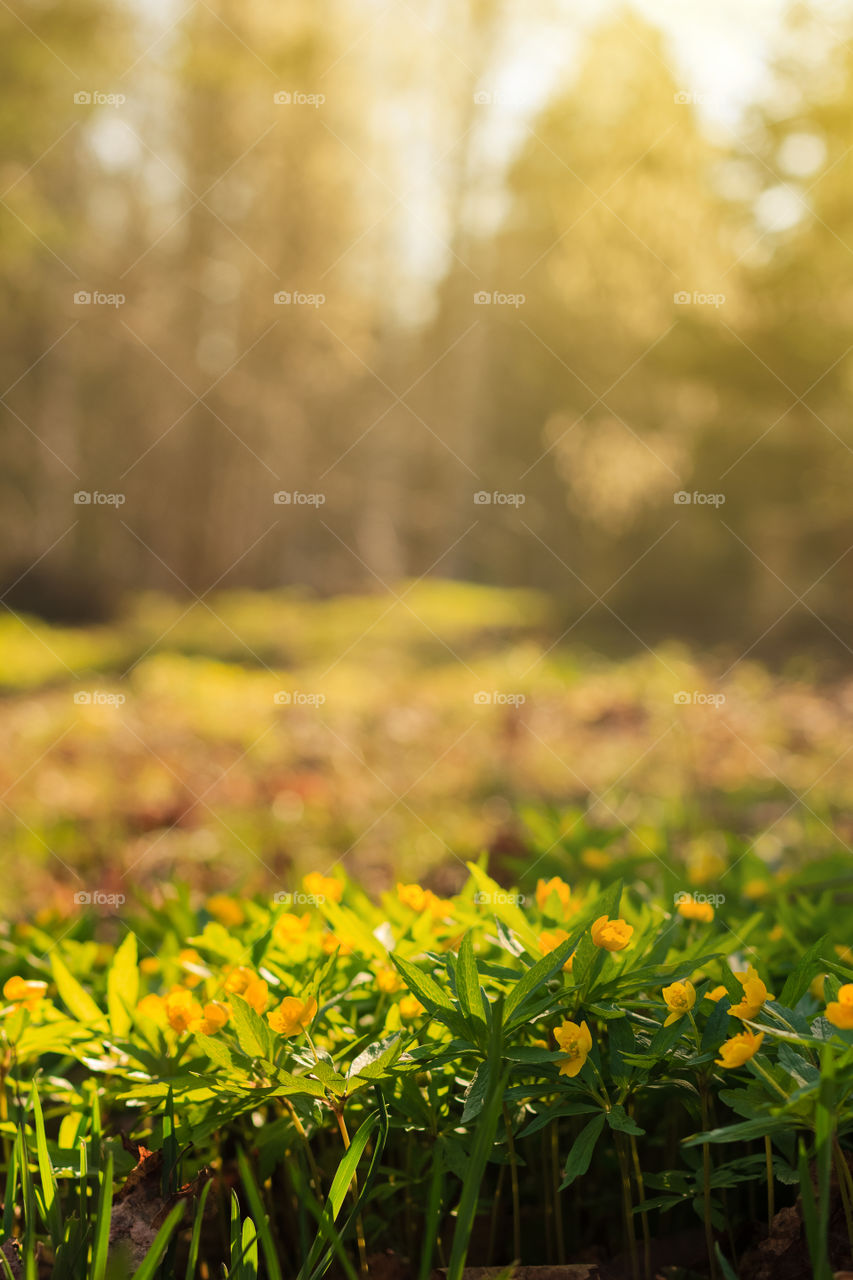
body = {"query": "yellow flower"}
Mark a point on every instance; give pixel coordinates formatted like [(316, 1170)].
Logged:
[(182, 1010), (544, 889), (679, 998), (331, 941), (320, 886), (738, 1050), (692, 910), (153, 1007), (213, 1019), (290, 928), (550, 940), (387, 980), (844, 954), (238, 979), (612, 935), (149, 964), (243, 982), (417, 898), (754, 995), (226, 910), (256, 995), (716, 994), (411, 1007), (755, 888), (576, 1042), (817, 985), (186, 957), (292, 1016), (24, 991), (776, 934), (840, 1011)]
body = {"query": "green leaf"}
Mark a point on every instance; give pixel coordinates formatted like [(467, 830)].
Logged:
[(102, 1223), (192, 1258), (498, 904), (292, 1085), (581, 1152), (618, 1119), (541, 972), (72, 995), (373, 1062), (423, 986), (53, 1211), (253, 1034), (482, 1149), (476, 1093), (331, 1078), (257, 1208), (123, 986), (808, 966), (468, 981), (217, 1051)]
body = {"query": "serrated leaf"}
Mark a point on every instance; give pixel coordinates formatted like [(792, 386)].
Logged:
[(468, 981), (423, 986), (618, 1119)]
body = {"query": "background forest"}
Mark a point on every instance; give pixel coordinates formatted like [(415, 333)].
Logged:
[(667, 312)]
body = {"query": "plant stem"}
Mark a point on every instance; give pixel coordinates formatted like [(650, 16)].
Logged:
[(496, 1204), (706, 1185), (771, 1191), (516, 1203), (359, 1225), (845, 1186), (627, 1206), (300, 1129), (555, 1183), (644, 1217)]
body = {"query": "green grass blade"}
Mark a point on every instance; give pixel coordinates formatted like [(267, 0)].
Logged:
[(102, 1223), (49, 1191), (256, 1206), (195, 1242)]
